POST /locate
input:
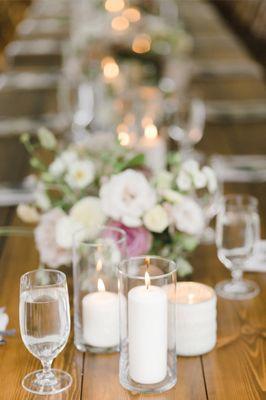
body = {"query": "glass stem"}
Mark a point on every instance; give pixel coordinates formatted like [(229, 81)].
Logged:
[(46, 365), (237, 275)]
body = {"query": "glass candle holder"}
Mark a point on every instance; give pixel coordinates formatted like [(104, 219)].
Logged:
[(96, 304), (147, 324)]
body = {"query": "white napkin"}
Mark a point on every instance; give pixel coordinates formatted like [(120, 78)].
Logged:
[(257, 263)]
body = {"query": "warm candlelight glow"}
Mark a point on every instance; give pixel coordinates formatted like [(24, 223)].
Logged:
[(191, 297), (147, 262), (100, 285), (110, 68), (124, 138), (147, 280), (151, 132), (114, 5), (132, 14), (99, 265), (120, 23), (146, 121), (141, 44)]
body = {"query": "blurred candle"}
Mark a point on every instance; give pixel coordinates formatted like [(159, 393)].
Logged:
[(132, 14), (120, 23), (141, 44), (114, 5), (153, 147)]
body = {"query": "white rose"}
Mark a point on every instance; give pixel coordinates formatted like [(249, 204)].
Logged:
[(57, 167), (28, 214), (64, 231), (89, 213), (183, 181), (172, 196), (68, 157), (211, 179), (188, 216), (126, 197), (80, 174), (156, 219)]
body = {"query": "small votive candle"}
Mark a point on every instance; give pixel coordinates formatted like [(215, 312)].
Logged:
[(195, 319)]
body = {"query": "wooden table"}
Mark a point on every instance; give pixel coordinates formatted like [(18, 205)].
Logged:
[(236, 368)]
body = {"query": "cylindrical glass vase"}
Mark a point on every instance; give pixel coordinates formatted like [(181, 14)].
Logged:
[(147, 324), (96, 304)]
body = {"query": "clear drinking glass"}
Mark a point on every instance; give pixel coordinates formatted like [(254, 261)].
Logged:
[(237, 232), (45, 325), (147, 287), (96, 306)]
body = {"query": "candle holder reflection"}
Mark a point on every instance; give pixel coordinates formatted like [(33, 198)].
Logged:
[(96, 305), (147, 325)]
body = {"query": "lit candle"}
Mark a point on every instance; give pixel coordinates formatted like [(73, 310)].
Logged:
[(195, 317), (153, 147), (147, 333), (141, 43), (100, 312)]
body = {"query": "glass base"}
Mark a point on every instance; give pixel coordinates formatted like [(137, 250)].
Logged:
[(136, 387), (57, 382), (97, 350), (237, 290)]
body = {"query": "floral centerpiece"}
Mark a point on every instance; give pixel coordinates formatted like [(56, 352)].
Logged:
[(100, 182)]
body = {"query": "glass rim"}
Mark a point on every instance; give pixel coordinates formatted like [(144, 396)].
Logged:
[(239, 199), (34, 271), (95, 244), (152, 277)]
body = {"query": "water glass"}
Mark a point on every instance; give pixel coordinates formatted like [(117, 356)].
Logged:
[(237, 232), (45, 326)]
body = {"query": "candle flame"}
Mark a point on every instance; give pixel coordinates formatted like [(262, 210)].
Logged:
[(151, 131), (114, 5), (124, 138), (99, 265), (147, 280), (100, 285), (110, 68), (147, 262)]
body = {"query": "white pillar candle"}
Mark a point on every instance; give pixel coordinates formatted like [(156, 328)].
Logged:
[(100, 311), (195, 318), (147, 334), (154, 148)]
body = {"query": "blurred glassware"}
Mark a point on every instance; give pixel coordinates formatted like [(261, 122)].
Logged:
[(186, 118), (237, 232)]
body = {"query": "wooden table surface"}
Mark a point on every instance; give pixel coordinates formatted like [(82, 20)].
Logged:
[(236, 368)]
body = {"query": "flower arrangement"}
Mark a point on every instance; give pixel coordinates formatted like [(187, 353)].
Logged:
[(100, 182)]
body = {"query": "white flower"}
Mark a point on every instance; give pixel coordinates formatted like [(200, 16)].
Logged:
[(188, 216), (68, 157), (199, 180), (172, 196), (89, 213), (190, 166), (41, 199), (164, 180), (126, 197), (211, 179), (28, 214), (183, 181), (156, 219), (46, 138), (51, 254), (80, 174), (64, 231), (57, 167)]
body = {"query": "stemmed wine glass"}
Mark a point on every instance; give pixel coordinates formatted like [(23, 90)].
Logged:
[(45, 325), (237, 231)]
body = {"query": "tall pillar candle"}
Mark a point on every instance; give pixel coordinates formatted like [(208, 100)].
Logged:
[(147, 336)]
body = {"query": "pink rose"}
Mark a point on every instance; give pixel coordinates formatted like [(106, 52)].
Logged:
[(139, 240)]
